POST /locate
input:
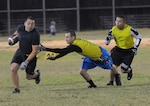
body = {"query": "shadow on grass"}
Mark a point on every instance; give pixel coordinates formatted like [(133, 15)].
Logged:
[(99, 87), (54, 87)]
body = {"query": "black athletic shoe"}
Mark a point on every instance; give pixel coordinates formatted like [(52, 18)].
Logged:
[(37, 79), (92, 86), (129, 75), (16, 90), (110, 83), (118, 79)]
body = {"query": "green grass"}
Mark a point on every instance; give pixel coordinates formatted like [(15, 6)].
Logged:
[(62, 85)]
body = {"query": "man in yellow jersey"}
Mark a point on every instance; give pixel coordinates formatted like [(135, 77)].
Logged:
[(94, 54), (125, 49)]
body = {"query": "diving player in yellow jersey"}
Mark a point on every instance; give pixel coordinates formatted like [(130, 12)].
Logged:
[(94, 55), (125, 49)]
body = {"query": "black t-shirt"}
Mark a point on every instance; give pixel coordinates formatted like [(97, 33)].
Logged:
[(27, 39)]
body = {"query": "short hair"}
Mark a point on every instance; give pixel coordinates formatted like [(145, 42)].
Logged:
[(121, 16), (72, 33), (30, 17)]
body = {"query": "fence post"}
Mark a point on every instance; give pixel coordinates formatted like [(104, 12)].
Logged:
[(113, 12), (44, 17), (8, 16), (78, 15)]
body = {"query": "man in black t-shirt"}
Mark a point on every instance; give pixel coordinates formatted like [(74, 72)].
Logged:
[(25, 56)]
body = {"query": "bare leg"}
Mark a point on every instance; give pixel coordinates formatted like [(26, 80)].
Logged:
[(14, 75), (31, 77), (35, 76), (114, 75), (114, 69), (87, 77)]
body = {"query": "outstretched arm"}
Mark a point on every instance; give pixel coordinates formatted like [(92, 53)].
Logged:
[(62, 51)]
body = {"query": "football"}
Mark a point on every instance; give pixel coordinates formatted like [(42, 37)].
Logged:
[(12, 40)]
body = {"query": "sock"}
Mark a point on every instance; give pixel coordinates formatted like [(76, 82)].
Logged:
[(111, 82), (91, 83)]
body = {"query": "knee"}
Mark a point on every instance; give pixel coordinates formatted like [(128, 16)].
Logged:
[(124, 68), (114, 69), (14, 68), (82, 71)]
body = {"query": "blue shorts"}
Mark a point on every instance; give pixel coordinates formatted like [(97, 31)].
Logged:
[(89, 64)]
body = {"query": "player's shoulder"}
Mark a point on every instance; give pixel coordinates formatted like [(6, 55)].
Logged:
[(36, 32), (113, 28), (128, 26), (21, 26)]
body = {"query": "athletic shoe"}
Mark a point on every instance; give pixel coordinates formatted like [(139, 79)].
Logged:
[(129, 75), (37, 79), (110, 83), (92, 86), (118, 79), (16, 90)]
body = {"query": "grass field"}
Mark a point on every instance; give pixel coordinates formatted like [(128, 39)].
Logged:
[(61, 84)]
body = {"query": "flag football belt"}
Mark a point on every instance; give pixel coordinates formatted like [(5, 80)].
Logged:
[(29, 54)]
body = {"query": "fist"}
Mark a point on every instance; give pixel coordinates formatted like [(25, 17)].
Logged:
[(24, 65), (134, 51)]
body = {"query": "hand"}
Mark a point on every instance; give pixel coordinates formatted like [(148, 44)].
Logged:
[(24, 65), (103, 60), (106, 42), (134, 51), (10, 41), (41, 48)]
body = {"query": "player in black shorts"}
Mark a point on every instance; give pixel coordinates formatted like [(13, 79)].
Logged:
[(125, 49), (25, 56)]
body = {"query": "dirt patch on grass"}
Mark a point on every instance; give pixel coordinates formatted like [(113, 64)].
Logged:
[(145, 43)]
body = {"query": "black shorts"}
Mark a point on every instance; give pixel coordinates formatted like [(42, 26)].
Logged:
[(122, 56), (20, 57)]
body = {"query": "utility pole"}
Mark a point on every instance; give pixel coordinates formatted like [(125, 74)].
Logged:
[(113, 11), (78, 15), (8, 16), (44, 17)]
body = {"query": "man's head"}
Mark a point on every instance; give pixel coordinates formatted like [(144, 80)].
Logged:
[(70, 36), (120, 22), (29, 24)]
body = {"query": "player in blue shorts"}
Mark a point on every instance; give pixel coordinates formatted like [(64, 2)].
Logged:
[(94, 55)]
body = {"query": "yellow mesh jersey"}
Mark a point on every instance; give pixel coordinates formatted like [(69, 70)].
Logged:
[(123, 38), (89, 49)]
